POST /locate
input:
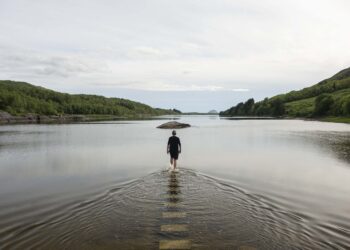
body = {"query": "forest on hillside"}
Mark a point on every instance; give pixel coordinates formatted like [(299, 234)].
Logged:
[(330, 97), (18, 98)]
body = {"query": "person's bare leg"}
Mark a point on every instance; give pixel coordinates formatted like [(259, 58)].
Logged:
[(171, 161), (174, 163)]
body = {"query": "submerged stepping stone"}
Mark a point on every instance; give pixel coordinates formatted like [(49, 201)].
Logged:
[(174, 214), (171, 196), (174, 186), (172, 204), (174, 228), (247, 248), (175, 244)]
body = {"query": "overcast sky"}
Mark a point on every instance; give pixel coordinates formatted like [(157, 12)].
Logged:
[(194, 55)]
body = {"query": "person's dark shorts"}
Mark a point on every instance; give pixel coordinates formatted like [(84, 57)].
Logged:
[(174, 155)]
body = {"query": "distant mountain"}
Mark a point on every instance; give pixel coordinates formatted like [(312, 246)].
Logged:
[(214, 112), (330, 97), (20, 98)]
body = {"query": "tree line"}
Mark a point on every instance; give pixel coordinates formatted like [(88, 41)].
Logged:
[(331, 97), (266, 107), (19, 98)]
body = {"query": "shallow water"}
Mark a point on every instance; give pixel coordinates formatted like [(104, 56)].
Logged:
[(242, 184)]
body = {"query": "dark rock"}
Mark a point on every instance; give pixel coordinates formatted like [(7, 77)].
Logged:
[(174, 125), (31, 117)]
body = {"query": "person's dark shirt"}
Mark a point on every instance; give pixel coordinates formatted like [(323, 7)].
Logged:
[(174, 143)]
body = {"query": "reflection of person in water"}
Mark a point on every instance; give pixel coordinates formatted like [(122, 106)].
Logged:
[(174, 148)]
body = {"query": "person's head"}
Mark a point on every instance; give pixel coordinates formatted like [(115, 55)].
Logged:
[(174, 132)]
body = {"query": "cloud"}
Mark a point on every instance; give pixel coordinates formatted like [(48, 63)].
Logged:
[(35, 63), (146, 53), (255, 47), (240, 90), (160, 86)]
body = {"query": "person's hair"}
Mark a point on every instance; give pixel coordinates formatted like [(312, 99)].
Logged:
[(174, 132)]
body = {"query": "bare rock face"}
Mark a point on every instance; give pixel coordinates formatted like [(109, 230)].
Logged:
[(174, 125)]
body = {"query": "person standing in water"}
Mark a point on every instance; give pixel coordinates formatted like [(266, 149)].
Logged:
[(174, 148)]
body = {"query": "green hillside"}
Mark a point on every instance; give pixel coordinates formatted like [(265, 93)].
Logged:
[(330, 97), (20, 98)]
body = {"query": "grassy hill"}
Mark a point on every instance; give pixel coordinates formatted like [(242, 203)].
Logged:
[(330, 97), (20, 98)]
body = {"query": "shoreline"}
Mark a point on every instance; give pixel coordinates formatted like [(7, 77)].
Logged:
[(8, 119), (345, 120)]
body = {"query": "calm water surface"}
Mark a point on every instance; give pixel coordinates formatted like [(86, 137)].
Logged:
[(242, 184)]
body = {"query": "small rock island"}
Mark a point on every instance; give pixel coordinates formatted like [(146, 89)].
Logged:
[(174, 125)]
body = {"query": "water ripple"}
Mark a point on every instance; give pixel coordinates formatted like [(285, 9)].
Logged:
[(126, 216)]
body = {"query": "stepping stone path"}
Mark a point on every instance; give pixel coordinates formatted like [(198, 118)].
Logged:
[(173, 227), (173, 214)]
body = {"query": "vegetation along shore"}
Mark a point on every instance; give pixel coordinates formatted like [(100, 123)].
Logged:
[(21, 102), (328, 100)]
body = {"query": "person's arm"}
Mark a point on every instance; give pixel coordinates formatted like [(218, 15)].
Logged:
[(179, 146), (168, 147)]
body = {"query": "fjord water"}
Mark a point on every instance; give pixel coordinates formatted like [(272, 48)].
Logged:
[(263, 184)]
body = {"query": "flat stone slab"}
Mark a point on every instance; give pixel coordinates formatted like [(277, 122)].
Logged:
[(174, 214), (174, 125), (174, 189), (174, 228), (172, 204), (247, 248), (173, 184), (175, 244), (171, 196)]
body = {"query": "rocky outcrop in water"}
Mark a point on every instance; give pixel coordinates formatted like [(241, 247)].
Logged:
[(174, 125)]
